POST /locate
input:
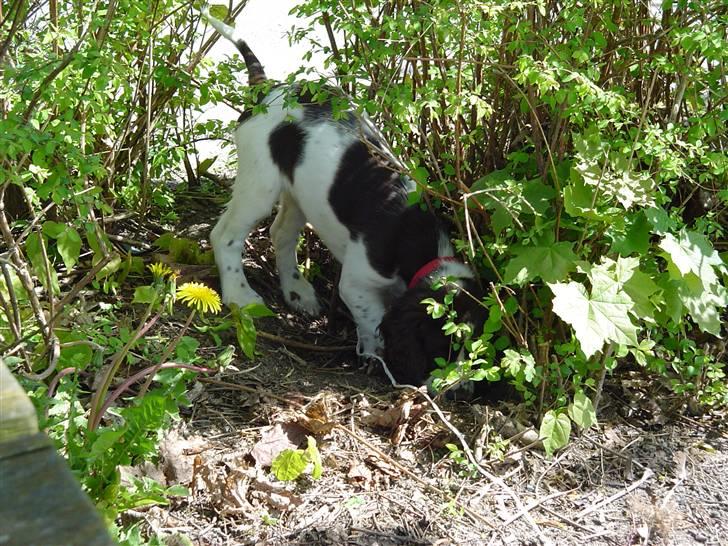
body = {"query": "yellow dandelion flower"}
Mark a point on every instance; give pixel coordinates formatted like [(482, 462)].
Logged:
[(199, 296), (159, 270)]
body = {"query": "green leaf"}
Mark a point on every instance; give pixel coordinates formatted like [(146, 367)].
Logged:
[(106, 440), (603, 315), (555, 431), (257, 310), (35, 255), (695, 265), (219, 11), (205, 165), (581, 411), (53, 229), (186, 349), (704, 303), (659, 220), (145, 294), (691, 252), (519, 365), (636, 240), (551, 262), (69, 246), (289, 464), (314, 457), (640, 287), (245, 330), (578, 199)]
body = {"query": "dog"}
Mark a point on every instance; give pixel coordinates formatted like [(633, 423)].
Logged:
[(339, 176)]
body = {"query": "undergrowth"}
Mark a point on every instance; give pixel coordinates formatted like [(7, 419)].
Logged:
[(579, 147)]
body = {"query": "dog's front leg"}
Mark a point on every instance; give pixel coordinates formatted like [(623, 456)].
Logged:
[(361, 289)]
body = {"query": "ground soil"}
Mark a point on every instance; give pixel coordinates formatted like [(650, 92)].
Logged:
[(649, 473)]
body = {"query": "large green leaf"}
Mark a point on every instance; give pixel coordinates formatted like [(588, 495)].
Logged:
[(635, 239), (641, 288), (691, 252), (581, 411), (704, 303), (289, 464), (603, 315), (69, 246), (694, 264), (551, 262), (555, 431)]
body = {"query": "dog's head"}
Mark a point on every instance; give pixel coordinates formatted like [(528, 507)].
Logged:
[(413, 339)]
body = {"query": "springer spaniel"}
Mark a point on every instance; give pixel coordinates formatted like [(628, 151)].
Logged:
[(339, 176)]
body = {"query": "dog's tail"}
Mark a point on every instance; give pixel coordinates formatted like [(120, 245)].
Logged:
[(256, 74)]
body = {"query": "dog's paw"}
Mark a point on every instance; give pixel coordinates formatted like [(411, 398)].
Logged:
[(300, 295)]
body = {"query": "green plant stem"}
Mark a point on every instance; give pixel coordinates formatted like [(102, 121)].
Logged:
[(167, 352)]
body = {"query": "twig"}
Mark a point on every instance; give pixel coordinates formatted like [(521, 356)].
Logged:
[(412, 475), (253, 390), (468, 452), (533, 504), (302, 345), (567, 520), (646, 476)]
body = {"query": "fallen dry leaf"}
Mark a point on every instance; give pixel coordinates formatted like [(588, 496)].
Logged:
[(317, 416), (178, 455), (275, 439), (276, 495), (359, 474)]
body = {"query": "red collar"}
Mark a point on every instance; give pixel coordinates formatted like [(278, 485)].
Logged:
[(428, 268)]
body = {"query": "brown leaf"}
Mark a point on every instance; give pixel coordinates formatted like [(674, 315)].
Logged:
[(318, 415), (275, 439), (276, 495), (359, 474)]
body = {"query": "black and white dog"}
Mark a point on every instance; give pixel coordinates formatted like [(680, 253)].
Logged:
[(339, 177)]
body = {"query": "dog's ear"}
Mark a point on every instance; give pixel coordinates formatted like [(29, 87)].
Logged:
[(412, 338)]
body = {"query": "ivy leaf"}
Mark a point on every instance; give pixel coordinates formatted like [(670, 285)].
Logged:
[(555, 431), (597, 318), (551, 262), (289, 464), (581, 411)]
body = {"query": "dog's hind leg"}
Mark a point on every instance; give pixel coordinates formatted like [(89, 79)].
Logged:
[(254, 195), (297, 291)]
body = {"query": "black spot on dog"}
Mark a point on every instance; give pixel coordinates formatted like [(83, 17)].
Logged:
[(242, 285), (397, 237), (231, 242), (229, 268), (296, 275), (286, 146), (237, 270), (294, 296)]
